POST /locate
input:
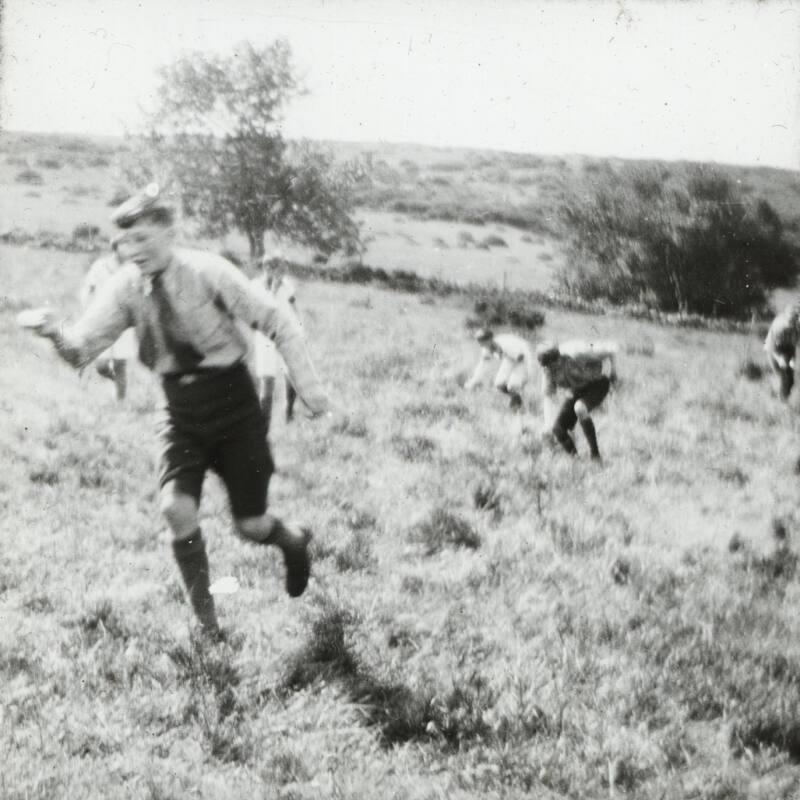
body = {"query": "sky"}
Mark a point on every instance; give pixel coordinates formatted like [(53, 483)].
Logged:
[(708, 81)]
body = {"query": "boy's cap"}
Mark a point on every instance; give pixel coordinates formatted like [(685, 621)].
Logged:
[(146, 201)]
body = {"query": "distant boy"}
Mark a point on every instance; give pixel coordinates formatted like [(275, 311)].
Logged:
[(112, 363), (578, 368), (516, 364), (266, 361), (781, 346)]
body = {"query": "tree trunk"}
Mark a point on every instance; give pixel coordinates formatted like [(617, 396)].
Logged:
[(256, 241), (677, 287)]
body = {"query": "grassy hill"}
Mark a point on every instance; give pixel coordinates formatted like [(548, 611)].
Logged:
[(486, 618), (461, 215)]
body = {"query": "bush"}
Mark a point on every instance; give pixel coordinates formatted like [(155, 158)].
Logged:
[(690, 243), (493, 240), (503, 307), (85, 231), (465, 239), (30, 176), (49, 163)]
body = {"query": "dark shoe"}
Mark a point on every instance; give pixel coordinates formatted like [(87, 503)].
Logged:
[(298, 562), (565, 440)]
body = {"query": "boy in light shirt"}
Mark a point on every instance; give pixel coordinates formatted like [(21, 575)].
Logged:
[(781, 345), (266, 361), (516, 364), (112, 363)]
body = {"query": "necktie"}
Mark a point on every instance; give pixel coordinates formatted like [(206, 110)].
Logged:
[(162, 331)]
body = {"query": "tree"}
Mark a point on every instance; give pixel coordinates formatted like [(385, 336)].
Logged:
[(686, 243), (215, 139)]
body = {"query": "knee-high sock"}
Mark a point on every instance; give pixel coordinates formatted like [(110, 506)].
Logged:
[(787, 381), (291, 395), (591, 436), (565, 440), (267, 392), (193, 563)]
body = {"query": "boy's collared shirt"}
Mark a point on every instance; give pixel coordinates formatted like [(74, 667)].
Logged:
[(190, 316)]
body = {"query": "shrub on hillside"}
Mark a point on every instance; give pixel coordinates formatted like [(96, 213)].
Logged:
[(687, 243), (493, 240), (465, 239), (497, 307), (49, 163), (85, 230), (30, 176)]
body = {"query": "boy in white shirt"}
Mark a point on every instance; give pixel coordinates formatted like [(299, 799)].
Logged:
[(266, 360), (112, 363), (516, 364), (781, 345)]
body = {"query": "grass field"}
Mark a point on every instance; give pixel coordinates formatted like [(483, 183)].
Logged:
[(486, 617)]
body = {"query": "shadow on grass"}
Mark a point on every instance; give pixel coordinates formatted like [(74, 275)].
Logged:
[(457, 717)]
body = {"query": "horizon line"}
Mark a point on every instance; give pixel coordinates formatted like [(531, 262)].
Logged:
[(424, 145)]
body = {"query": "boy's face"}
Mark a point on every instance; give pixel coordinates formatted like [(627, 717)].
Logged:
[(147, 245)]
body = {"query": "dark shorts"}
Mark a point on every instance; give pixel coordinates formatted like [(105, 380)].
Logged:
[(215, 422), (592, 394)]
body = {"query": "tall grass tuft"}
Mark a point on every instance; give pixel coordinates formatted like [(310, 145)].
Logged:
[(444, 529)]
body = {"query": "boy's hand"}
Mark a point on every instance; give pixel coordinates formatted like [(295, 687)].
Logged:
[(42, 321)]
